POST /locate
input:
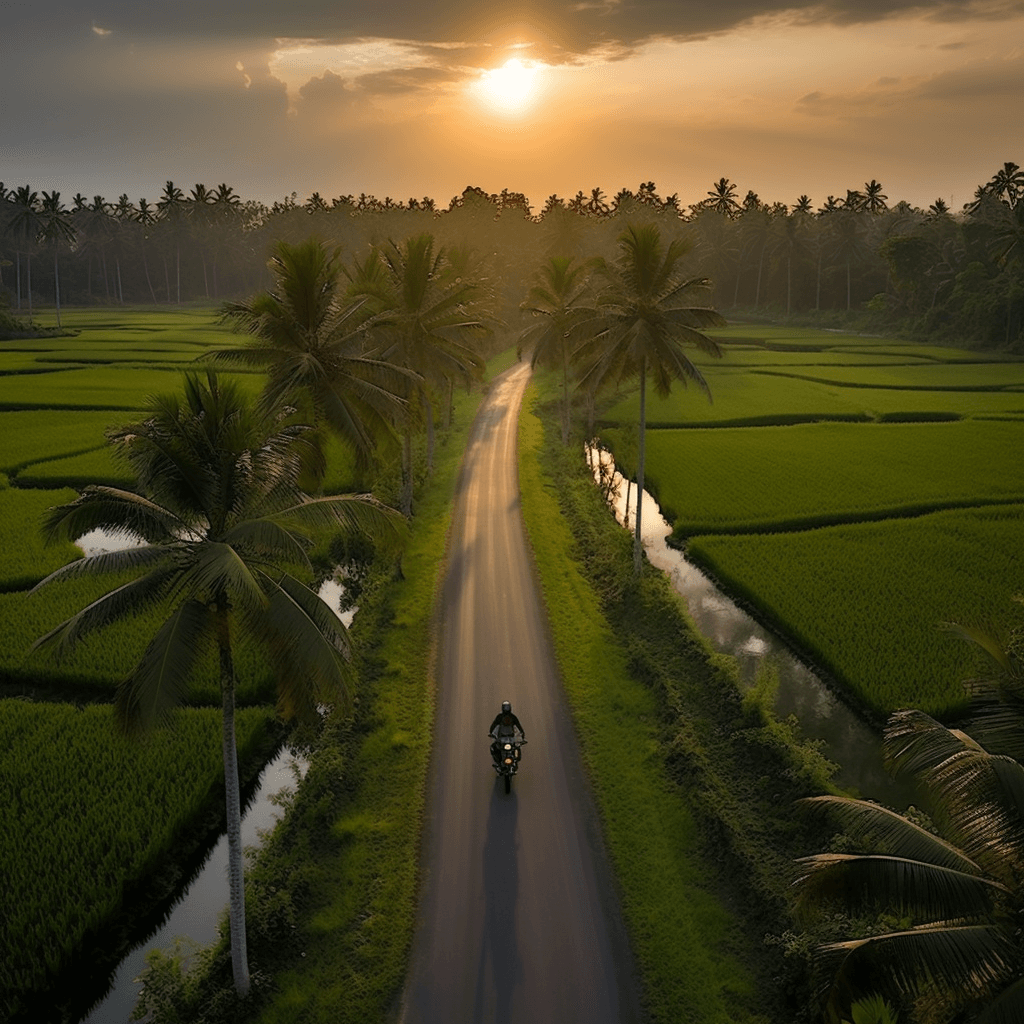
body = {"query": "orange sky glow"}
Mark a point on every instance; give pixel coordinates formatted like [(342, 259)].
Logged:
[(784, 101)]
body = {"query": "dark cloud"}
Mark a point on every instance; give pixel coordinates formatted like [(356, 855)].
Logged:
[(558, 29), (990, 80)]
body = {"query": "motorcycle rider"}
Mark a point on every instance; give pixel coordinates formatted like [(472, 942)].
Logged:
[(503, 729)]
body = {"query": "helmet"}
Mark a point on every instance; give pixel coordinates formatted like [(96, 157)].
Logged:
[(506, 707)]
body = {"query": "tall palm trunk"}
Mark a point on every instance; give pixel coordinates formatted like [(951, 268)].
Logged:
[(638, 549), (407, 472), (56, 283), (233, 807), (428, 411), (565, 395)]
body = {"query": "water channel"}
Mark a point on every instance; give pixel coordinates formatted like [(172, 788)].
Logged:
[(196, 913), (846, 739)]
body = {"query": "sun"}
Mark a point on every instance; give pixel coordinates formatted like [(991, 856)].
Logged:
[(510, 87)]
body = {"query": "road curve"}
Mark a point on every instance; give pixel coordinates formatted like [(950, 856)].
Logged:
[(518, 919)]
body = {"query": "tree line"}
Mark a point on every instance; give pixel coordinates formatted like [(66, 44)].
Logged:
[(924, 272)]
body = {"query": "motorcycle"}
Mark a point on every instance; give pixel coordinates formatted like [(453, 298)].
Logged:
[(509, 753)]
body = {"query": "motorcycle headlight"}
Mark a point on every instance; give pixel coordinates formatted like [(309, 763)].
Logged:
[(508, 746)]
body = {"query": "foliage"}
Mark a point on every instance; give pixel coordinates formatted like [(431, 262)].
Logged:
[(955, 891)]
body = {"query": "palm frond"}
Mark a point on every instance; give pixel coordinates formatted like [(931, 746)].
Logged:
[(111, 508), (924, 890), (360, 513), (159, 682), (308, 647), (1005, 1008), (916, 743), (119, 603), (268, 539), (867, 822), (125, 560), (973, 960)]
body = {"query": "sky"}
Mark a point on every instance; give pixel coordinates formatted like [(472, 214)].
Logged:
[(413, 98)]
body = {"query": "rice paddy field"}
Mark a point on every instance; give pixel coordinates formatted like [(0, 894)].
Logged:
[(87, 813), (854, 493)]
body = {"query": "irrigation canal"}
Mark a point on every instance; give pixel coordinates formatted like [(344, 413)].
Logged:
[(846, 739)]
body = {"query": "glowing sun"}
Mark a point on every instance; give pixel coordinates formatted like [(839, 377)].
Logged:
[(510, 87)]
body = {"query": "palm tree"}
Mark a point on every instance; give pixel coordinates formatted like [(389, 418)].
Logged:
[(1007, 184), (722, 198), (309, 339), (24, 224), (957, 892), (645, 321), (55, 226), (171, 205), (425, 323), (225, 525), (559, 302), (873, 197)]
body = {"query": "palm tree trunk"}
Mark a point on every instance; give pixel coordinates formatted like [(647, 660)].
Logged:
[(407, 472), (637, 541), (233, 808), (429, 411), (565, 397), (145, 265), (56, 283)]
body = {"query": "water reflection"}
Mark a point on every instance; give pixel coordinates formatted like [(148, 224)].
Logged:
[(846, 738), (197, 913)]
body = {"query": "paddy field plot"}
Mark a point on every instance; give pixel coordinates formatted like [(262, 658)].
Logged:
[(867, 601), (732, 480), (70, 857), (812, 493)]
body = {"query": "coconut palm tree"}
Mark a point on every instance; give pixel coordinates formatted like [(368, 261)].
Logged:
[(559, 303), (722, 198), (225, 527), (957, 892), (23, 224), (55, 227), (646, 318), (309, 338), (426, 321)]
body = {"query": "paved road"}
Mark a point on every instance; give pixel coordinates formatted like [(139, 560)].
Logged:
[(518, 921)]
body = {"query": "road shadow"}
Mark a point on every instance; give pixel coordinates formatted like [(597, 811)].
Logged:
[(500, 967)]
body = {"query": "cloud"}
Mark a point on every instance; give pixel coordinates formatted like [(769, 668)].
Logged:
[(407, 80), (558, 30)]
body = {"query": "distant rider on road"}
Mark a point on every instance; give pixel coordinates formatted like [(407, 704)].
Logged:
[(503, 729)]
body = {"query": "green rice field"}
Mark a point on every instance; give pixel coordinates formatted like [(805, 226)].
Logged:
[(853, 506), (55, 761), (87, 812)]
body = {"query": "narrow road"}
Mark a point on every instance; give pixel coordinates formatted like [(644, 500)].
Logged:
[(518, 918)]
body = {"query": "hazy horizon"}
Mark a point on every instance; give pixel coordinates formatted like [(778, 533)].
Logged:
[(391, 100)]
